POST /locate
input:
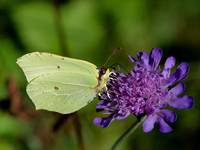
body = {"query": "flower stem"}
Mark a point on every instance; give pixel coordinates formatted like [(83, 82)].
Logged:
[(128, 132)]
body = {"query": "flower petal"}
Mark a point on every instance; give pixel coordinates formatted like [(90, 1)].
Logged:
[(180, 73), (155, 57), (132, 59), (149, 122), (164, 127), (184, 67), (144, 56), (97, 121), (169, 63), (103, 122), (178, 89), (122, 115), (185, 102), (168, 115), (102, 104)]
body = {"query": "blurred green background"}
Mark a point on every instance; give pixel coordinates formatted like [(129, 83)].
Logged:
[(90, 30)]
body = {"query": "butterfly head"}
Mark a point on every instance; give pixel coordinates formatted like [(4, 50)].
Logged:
[(103, 77)]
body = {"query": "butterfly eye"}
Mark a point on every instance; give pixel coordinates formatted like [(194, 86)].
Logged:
[(102, 71)]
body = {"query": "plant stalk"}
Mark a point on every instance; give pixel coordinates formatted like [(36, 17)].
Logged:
[(128, 132)]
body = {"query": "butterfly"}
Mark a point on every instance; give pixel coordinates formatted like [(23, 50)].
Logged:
[(61, 84)]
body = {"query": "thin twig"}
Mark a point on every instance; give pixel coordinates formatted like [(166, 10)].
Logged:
[(62, 119), (63, 46), (59, 27), (17, 106), (128, 132), (78, 130)]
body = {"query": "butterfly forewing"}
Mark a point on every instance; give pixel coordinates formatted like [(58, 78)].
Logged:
[(37, 63)]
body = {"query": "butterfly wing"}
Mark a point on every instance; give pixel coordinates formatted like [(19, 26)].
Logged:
[(58, 83), (62, 92), (40, 63)]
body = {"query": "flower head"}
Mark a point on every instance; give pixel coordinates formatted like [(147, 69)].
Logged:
[(145, 90)]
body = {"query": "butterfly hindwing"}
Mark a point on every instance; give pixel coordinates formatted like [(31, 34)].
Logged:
[(61, 92)]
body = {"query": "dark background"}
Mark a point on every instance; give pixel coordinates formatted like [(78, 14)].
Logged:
[(91, 30)]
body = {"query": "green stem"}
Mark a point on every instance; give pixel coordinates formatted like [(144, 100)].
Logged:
[(128, 132)]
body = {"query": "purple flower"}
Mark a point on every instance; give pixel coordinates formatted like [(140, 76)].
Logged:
[(145, 91)]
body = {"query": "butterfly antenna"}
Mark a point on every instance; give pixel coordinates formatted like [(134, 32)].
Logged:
[(115, 50), (118, 66)]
